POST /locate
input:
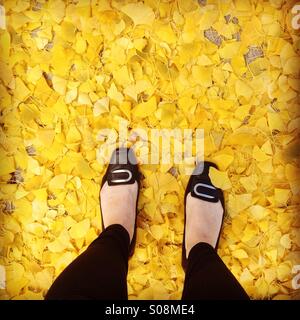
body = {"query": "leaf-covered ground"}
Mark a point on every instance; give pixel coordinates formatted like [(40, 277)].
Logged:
[(71, 68)]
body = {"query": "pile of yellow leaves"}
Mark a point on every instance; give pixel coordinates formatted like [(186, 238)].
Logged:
[(71, 68)]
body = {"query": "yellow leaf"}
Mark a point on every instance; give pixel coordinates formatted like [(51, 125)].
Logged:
[(292, 66), (121, 76), (59, 85), (239, 223), (267, 148), (101, 106), (259, 155), (187, 104), (21, 92), (41, 42), (44, 279), (202, 75), (266, 166), (84, 170), (284, 271), (242, 89), (242, 112), (159, 291), (58, 182), (204, 60), (7, 165), (71, 95), (139, 13), (145, 109), (168, 111), (125, 107), (246, 277), (258, 212), (229, 50), (240, 254), (15, 280), (250, 231), (148, 192), (281, 196), (91, 235), (141, 254), (68, 31), (249, 183), (238, 203), (114, 94), (285, 241), (80, 229), (261, 287), (275, 122), (157, 232), (57, 246), (219, 179), (46, 137), (134, 89), (165, 33), (243, 5), (239, 67), (84, 99), (223, 161), (80, 45), (34, 74), (39, 209), (57, 10), (5, 45), (119, 27), (272, 255), (12, 225), (73, 135)]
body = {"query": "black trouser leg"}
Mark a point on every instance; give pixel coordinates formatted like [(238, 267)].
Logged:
[(208, 278), (98, 273)]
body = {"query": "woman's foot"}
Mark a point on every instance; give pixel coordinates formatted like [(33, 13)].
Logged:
[(203, 222), (118, 205), (119, 192)]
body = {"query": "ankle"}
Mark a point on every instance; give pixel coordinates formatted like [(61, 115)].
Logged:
[(118, 206), (203, 222)]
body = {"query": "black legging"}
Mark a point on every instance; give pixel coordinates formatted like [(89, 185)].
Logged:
[(101, 271)]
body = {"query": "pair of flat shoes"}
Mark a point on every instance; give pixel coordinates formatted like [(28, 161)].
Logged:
[(123, 169)]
